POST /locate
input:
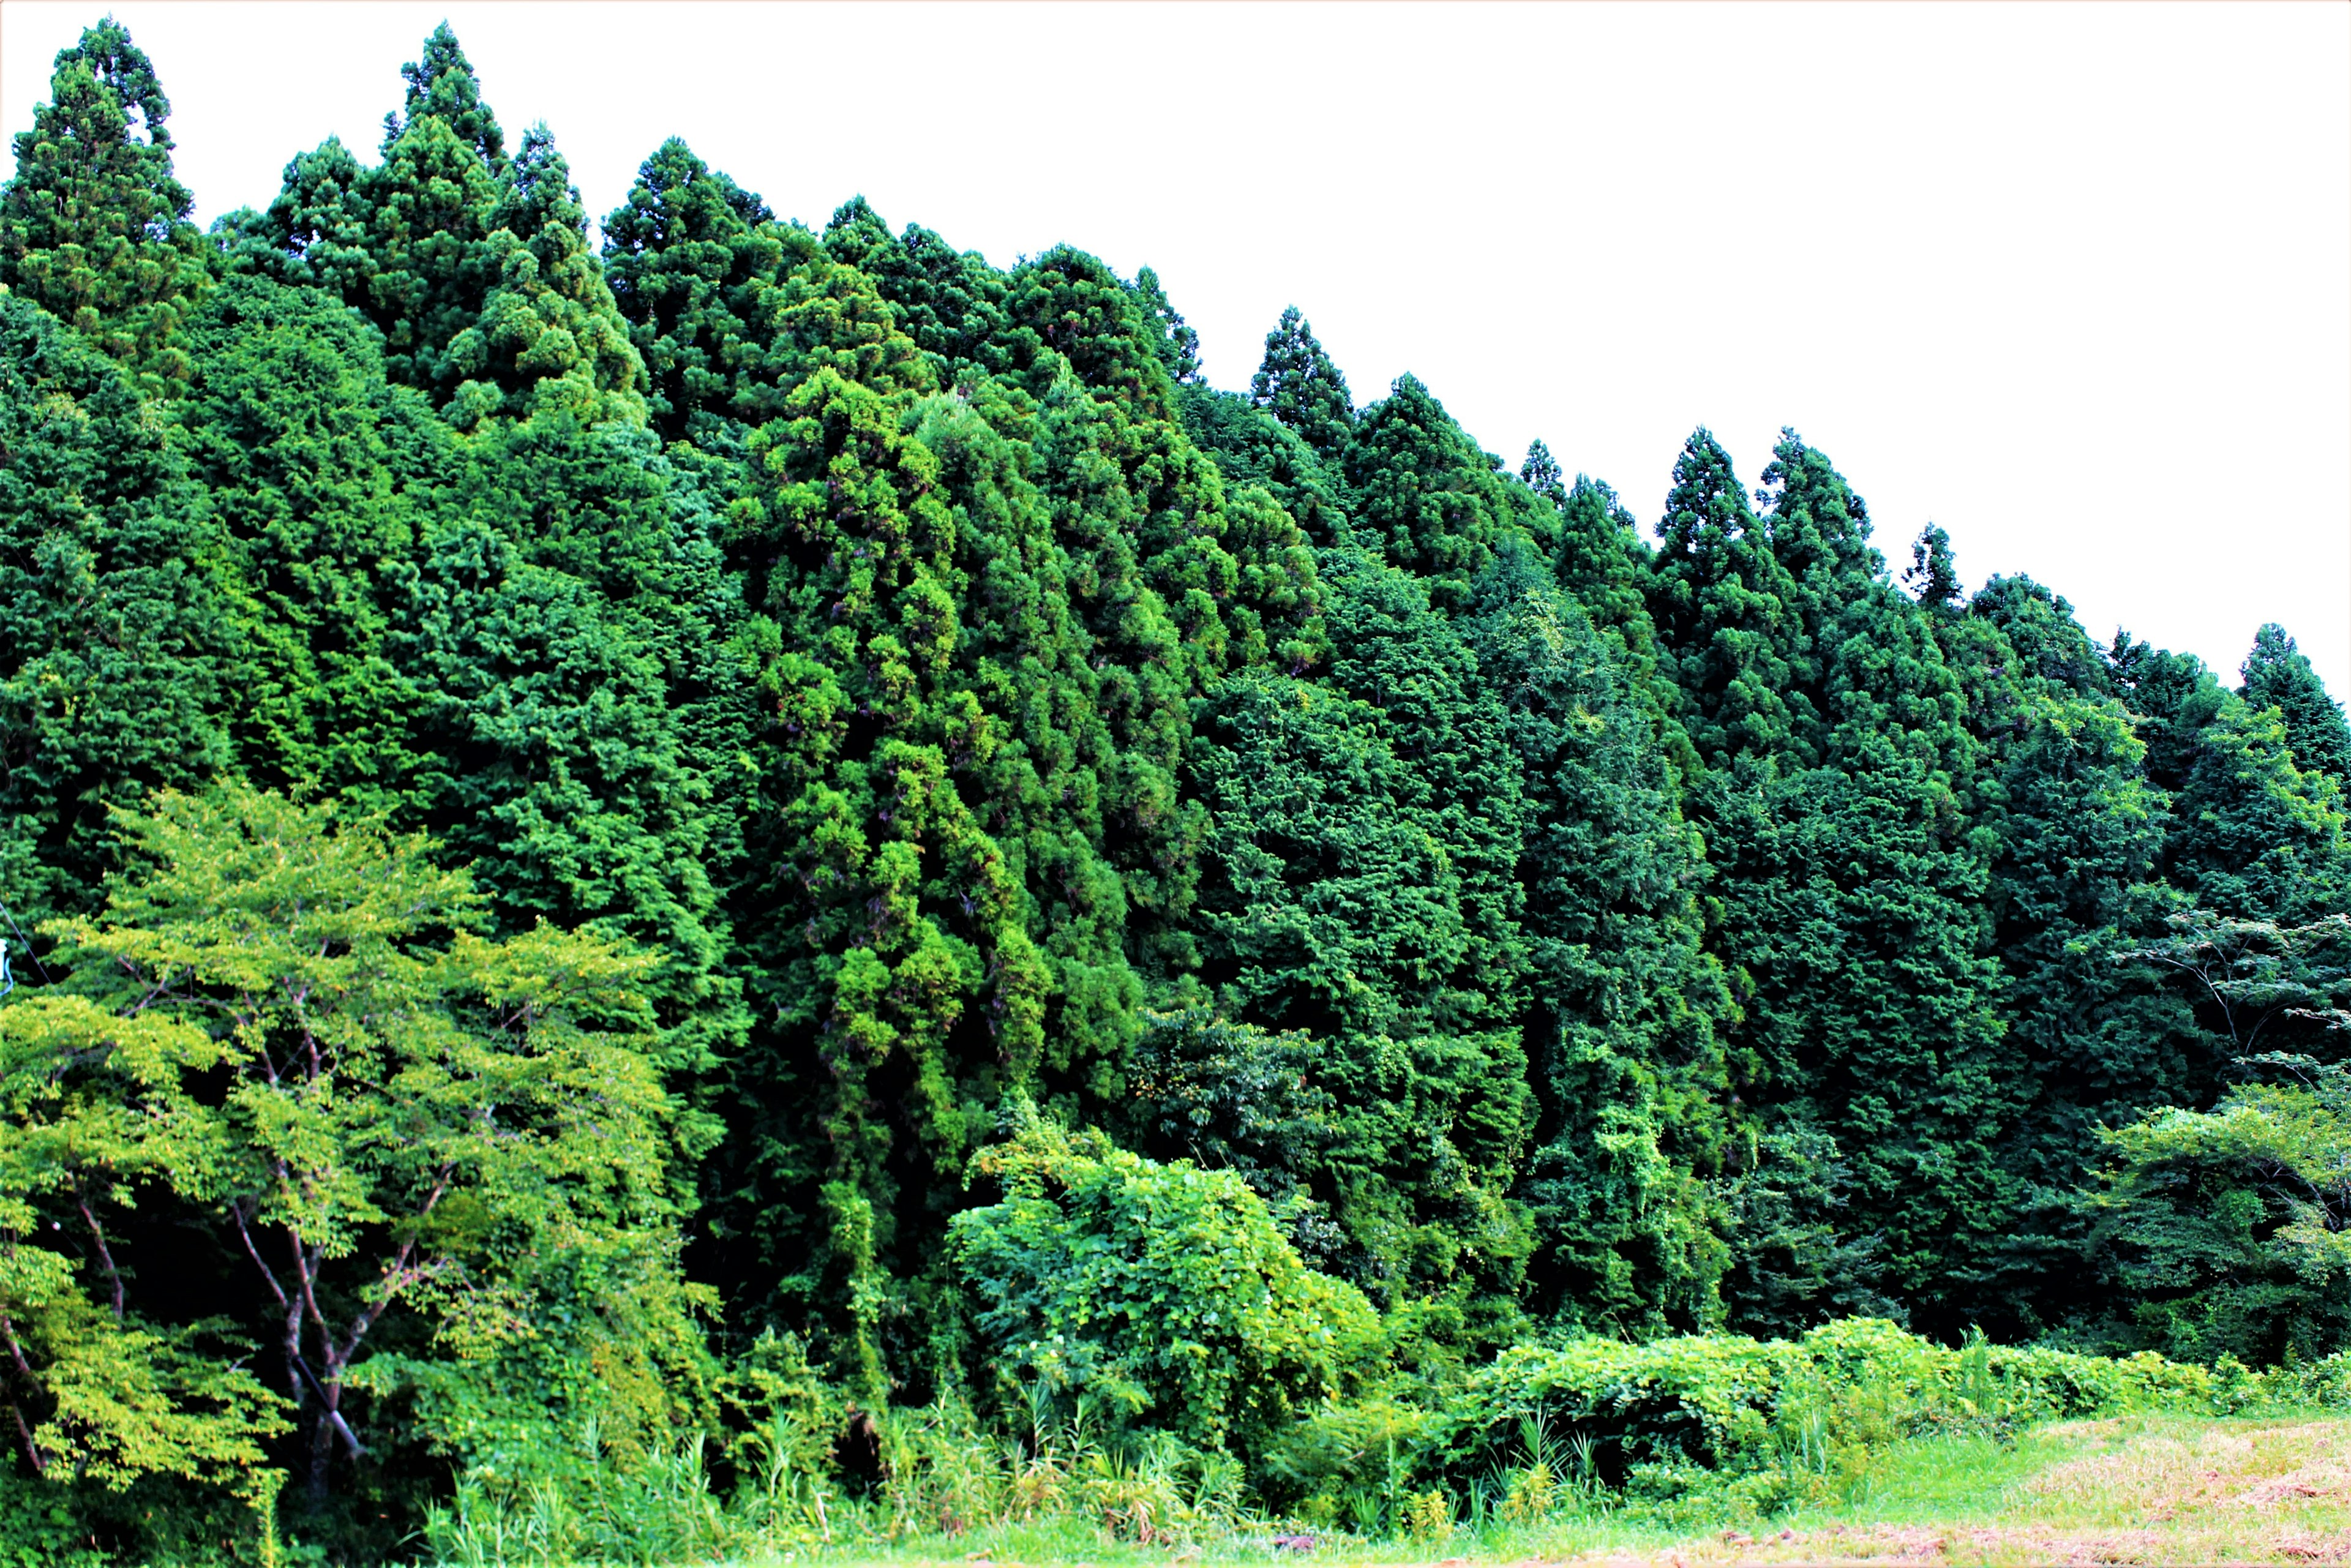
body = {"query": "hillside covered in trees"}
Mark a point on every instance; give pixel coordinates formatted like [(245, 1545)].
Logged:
[(749, 827)]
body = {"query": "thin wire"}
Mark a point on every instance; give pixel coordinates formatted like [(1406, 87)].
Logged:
[(27, 941)]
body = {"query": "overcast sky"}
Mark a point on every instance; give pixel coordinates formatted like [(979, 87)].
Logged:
[(2072, 281)]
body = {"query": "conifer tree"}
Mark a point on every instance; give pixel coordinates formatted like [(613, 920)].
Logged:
[(1297, 384), (1422, 495), (1828, 717), (1604, 564), (2080, 832), (474, 265), (951, 303), (2252, 836), (93, 226), (321, 474), (441, 86), (115, 655), (2279, 675), (1251, 448), (693, 270), (1358, 888), (1622, 1004)]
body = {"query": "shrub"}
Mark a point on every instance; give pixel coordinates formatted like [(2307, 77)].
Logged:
[(1167, 1295)]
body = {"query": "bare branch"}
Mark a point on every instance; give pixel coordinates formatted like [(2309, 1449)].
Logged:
[(97, 1238), (237, 1211), (396, 1274)]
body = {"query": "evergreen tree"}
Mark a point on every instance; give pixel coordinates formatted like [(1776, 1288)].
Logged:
[(1178, 344), (565, 626), (1622, 1003), (1251, 448), (2080, 832), (319, 473), (951, 303), (1422, 494), (93, 227), (1933, 577), (1853, 917), (1297, 384), (115, 658), (2253, 836), (1717, 602), (1604, 564), (2278, 675), (443, 87), (693, 270), (1360, 889), (474, 265)]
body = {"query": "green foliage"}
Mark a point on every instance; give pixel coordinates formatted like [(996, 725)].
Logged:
[(1766, 1422), (114, 668), (695, 736), (2232, 1219), (1165, 1294), (284, 1034), (93, 227), (474, 264), (1853, 891), (1298, 385), (1359, 889), (1622, 1001), (2236, 1219), (2278, 675)]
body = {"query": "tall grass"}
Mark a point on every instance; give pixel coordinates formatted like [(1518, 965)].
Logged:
[(1547, 1451)]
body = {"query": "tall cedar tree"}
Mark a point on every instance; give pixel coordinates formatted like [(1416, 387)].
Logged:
[(93, 227), (1851, 890)]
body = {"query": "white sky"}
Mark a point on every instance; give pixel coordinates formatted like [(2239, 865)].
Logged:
[(2074, 281)]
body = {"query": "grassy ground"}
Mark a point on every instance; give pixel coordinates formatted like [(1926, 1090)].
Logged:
[(2136, 1489)]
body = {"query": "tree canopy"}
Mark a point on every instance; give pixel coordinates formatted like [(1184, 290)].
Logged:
[(619, 836)]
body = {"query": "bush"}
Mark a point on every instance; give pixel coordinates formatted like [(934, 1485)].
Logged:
[(1166, 1296), (1773, 1420)]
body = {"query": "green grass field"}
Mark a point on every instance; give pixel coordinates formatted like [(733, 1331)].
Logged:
[(2153, 1490)]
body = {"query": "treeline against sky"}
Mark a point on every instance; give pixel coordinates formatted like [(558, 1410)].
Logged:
[(902, 760)]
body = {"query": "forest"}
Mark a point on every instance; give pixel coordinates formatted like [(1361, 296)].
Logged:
[(762, 861)]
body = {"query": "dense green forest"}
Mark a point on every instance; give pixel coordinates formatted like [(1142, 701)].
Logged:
[(760, 836)]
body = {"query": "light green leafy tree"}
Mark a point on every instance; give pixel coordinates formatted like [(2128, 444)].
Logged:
[(283, 1033), (1165, 1291)]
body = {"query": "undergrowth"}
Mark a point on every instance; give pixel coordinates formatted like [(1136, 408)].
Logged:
[(1547, 1451)]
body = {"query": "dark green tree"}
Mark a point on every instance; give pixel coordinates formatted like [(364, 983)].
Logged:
[(1422, 495), (1297, 384), (115, 650), (1622, 1003), (321, 475), (2279, 675), (474, 265), (93, 226), (1853, 917), (694, 269), (1360, 889)]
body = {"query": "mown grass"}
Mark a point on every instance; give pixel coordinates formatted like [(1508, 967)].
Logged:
[(2152, 1490)]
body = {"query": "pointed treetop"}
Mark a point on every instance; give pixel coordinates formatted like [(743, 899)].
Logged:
[(2279, 675), (93, 226), (1815, 516), (1706, 494), (1298, 385), (443, 86), (128, 76), (1933, 575), (674, 169), (1541, 473), (856, 221), (1179, 343)]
